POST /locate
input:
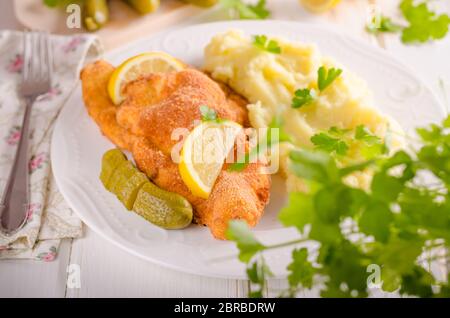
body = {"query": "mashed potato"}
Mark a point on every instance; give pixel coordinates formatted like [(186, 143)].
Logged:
[(269, 81)]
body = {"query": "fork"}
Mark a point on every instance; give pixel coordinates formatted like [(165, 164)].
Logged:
[(36, 81)]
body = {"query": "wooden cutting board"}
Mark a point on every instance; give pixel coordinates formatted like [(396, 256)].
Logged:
[(125, 24)]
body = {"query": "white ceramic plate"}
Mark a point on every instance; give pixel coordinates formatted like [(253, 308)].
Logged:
[(78, 147)]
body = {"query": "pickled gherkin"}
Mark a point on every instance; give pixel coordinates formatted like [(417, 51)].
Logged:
[(110, 161), (122, 174), (144, 6), (165, 209), (132, 187), (96, 14), (128, 191)]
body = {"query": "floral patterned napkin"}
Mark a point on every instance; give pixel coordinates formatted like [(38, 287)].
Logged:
[(49, 219)]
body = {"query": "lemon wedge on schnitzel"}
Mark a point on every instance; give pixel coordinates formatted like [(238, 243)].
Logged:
[(204, 152), (140, 65)]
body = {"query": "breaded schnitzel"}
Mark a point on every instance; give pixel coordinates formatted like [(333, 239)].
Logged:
[(157, 104)]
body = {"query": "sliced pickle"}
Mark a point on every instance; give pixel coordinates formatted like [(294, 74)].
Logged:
[(128, 191), (110, 161), (132, 187), (144, 6), (122, 174), (165, 209)]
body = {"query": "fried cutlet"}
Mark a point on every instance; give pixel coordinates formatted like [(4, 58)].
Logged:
[(154, 107)]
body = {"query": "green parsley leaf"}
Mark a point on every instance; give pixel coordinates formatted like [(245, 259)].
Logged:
[(364, 134), (430, 134), (260, 9), (298, 212), (326, 204), (381, 23), (343, 172), (375, 220), (314, 165), (417, 283), (391, 279), (325, 142), (344, 264), (273, 47), (338, 132), (260, 41), (400, 254), (372, 145), (385, 187), (301, 270), (424, 24), (446, 122), (414, 203), (303, 97), (257, 273), (208, 114), (326, 233), (326, 77), (247, 11), (248, 245), (263, 43)]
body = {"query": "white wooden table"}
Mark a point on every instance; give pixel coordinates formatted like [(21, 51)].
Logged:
[(107, 271)]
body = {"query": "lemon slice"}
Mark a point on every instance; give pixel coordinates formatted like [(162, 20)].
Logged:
[(204, 153), (318, 6), (140, 65)]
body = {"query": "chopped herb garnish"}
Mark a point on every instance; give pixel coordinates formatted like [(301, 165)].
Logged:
[(208, 114), (327, 76), (325, 142), (424, 24), (364, 134), (381, 23), (263, 43), (337, 141), (303, 97), (247, 11)]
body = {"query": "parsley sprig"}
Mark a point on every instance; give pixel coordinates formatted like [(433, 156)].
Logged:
[(381, 23), (398, 220), (336, 141), (325, 77), (303, 97), (330, 144), (247, 11), (263, 43), (208, 114), (422, 23)]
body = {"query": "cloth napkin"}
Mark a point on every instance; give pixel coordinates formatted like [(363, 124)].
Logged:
[(49, 219)]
